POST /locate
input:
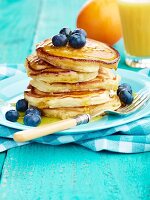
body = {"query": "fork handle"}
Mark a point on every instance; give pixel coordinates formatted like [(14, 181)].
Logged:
[(33, 133)]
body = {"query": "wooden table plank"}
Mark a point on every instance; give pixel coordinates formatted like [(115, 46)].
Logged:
[(17, 30), (18, 21), (2, 159), (56, 14), (71, 172)]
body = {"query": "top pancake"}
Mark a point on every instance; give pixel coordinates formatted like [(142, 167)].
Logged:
[(87, 59)]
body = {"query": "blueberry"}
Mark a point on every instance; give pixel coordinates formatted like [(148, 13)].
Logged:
[(80, 31), (77, 41), (22, 105), (12, 115), (65, 31), (33, 111), (124, 86), (32, 119), (59, 40), (125, 96)]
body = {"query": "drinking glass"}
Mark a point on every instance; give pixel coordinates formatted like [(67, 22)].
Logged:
[(135, 20)]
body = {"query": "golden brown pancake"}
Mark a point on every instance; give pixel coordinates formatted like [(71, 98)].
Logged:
[(64, 113), (105, 80), (43, 71), (65, 99), (87, 59)]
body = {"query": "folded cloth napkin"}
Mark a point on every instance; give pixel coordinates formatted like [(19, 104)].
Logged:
[(133, 137), (7, 71)]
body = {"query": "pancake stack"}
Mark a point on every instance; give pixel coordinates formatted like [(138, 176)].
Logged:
[(66, 82)]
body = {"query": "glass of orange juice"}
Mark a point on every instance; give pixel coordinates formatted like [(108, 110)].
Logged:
[(135, 19)]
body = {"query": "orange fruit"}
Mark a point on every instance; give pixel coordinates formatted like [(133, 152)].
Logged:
[(101, 20)]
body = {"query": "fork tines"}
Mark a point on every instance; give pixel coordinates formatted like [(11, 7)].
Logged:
[(139, 100)]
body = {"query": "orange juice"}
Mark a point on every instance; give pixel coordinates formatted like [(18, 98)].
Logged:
[(135, 18)]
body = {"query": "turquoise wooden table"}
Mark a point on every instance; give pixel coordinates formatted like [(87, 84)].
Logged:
[(68, 172)]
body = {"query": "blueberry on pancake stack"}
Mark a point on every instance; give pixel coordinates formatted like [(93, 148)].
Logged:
[(72, 75)]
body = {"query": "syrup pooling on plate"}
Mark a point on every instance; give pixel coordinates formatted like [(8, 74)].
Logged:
[(44, 121), (48, 120)]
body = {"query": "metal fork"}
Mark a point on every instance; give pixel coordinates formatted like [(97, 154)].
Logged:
[(140, 100)]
